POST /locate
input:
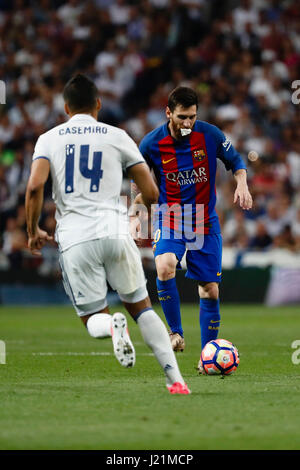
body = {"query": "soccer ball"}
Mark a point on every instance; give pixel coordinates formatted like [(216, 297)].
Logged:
[(219, 357)]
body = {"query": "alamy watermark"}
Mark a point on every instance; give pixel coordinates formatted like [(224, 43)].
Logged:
[(296, 94), (296, 354), (2, 352), (2, 92), (166, 221)]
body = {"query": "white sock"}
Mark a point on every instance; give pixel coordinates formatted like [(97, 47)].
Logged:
[(157, 338), (99, 324)]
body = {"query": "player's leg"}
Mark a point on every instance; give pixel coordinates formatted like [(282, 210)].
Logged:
[(167, 253), (169, 297), (98, 324), (125, 274), (85, 282), (157, 339), (102, 325), (209, 315), (204, 265)]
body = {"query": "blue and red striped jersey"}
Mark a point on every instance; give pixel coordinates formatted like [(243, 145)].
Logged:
[(186, 170)]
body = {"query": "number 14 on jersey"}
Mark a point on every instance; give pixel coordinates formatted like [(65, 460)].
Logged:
[(94, 174)]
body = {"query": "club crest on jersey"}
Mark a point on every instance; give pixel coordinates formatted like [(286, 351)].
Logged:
[(199, 155)]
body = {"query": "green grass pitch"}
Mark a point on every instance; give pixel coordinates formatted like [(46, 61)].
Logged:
[(62, 389)]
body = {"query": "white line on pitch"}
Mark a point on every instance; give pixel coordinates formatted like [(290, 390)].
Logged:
[(72, 353)]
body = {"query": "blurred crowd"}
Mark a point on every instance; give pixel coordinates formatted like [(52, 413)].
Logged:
[(242, 58)]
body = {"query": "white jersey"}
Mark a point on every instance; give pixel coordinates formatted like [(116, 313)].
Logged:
[(87, 159)]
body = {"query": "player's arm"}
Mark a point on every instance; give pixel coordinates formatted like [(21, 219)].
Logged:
[(144, 189), (144, 192), (242, 193), (135, 193), (136, 196), (33, 205), (234, 162)]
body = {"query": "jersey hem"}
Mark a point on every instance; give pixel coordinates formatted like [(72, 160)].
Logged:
[(63, 249), (133, 164), (191, 276), (45, 158)]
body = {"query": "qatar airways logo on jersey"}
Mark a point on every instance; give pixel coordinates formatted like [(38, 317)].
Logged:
[(182, 178)]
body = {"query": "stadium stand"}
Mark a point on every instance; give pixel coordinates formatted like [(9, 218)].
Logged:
[(242, 57)]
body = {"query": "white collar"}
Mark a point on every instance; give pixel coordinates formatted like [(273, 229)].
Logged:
[(82, 117)]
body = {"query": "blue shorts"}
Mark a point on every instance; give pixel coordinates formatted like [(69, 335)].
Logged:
[(203, 264)]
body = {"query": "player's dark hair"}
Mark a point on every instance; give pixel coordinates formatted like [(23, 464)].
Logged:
[(80, 94), (183, 96)]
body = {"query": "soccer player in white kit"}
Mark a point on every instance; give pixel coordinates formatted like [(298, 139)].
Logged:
[(86, 159)]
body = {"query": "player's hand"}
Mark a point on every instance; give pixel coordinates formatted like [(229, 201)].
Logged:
[(244, 197), (135, 229), (36, 243)]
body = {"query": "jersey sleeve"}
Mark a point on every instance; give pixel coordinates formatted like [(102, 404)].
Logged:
[(130, 152), (41, 149), (227, 153)]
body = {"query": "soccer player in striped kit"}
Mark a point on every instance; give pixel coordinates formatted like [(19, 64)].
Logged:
[(183, 156)]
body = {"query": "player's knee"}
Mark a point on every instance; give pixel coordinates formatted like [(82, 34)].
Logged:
[(165, 272), (166, 267), (209, 290)]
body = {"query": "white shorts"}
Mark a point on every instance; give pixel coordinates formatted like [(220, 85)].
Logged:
[(88, 266)]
